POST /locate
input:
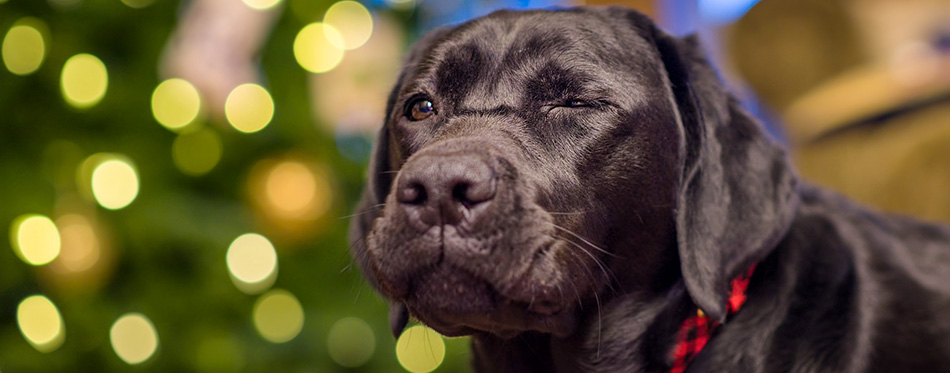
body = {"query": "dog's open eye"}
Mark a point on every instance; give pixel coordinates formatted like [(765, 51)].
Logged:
[(419, 109)]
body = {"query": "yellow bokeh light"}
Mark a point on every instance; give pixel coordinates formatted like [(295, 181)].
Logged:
[(351, 342), (249, 108), (35, 239), (420, 349), (133, 338), (196, 153), (261, 4), (81, 249), (294, 191), (278, 316), (41, 323), (175, 103), (23, 48), (353, 22), (115, 183), (316, 47), (252, 263), (84, 80)]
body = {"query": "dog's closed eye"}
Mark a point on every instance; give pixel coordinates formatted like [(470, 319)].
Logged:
[(577, 104)]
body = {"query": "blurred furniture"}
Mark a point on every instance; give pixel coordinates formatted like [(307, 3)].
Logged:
[(866, 113)]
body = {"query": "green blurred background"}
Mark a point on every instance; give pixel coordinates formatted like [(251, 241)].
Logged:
[(176, 177)]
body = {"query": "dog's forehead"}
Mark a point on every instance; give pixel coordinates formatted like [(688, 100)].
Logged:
[(497, 60)]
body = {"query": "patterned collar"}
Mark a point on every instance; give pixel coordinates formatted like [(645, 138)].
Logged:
[(696, 330)]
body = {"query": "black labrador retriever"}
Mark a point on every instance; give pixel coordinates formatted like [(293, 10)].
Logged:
[(577, 191)]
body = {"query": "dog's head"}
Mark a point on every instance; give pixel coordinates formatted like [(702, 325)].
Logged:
[(533, 163)]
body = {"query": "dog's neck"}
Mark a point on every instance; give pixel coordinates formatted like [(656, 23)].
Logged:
[(657, 334)]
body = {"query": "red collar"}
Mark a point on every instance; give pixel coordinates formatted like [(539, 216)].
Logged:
[(696, 330)]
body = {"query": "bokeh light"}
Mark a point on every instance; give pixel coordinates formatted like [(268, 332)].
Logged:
[(252, 263), (249, 108), (294, 191), (175, 103), (196, 153), (278, 316), (133, 338), (81, 249), (351, 342), (84, 80), (261, 4), (317, 49), (23, 47), (352, 21), (420, 349), (115, 183), (35, 239), (41, 323)]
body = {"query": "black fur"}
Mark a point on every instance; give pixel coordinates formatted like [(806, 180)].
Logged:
[(586, 182)]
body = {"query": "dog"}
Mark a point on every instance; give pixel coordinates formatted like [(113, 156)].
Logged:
[(577, 191)]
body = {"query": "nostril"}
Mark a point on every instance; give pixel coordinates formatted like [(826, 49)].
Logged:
[(473, 193), (460, 194), (413, 194)]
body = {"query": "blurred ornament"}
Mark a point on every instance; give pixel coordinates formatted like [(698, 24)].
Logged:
[(24, 46), (420, 349), (84, 80), (352, 20), (35, 239), (252, 263), (111, 179), (40, 323), (291, 194), (351, 342), (278, 316), (196, 153), (316, 47), (249, 108), (133, 338), (175, 103)]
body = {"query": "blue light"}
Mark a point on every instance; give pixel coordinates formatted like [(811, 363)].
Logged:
[(724, 11)]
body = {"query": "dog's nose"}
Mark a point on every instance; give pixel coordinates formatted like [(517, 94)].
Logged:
[(445, 189)]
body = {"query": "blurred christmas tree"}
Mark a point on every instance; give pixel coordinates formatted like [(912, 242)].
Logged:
[(180, 205)]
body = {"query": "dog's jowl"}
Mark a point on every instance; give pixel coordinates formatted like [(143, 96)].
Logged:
[(577, 191)]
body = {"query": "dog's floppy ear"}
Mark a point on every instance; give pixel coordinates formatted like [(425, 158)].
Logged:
[(738, 193), (378, 183)]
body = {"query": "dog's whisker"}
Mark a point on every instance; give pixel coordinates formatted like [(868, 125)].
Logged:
[(566, 213), (354, 215), (568, 231), (600, 321), (607, 273)]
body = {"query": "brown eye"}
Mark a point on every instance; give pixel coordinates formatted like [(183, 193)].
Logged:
[(420, 109)]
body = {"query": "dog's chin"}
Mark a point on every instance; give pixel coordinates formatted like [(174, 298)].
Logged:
[(456, 303)]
